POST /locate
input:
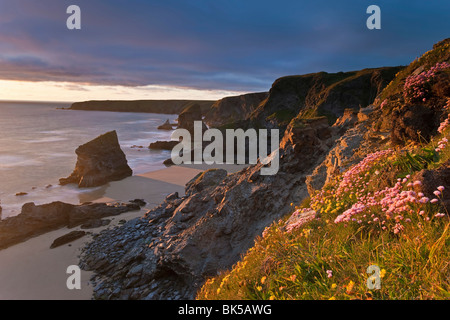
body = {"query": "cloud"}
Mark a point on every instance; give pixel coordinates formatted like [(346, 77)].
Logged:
[(203, 44)]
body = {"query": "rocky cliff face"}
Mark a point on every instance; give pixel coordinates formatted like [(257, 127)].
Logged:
[(232, 109), (169, 252), (321, 94), (99, 161)]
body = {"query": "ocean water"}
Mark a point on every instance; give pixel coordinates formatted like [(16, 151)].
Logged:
[(38, 142)]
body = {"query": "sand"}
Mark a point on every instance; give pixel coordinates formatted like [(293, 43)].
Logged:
[(32, 271)]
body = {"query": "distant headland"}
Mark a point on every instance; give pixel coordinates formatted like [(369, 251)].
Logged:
[(147, 106)]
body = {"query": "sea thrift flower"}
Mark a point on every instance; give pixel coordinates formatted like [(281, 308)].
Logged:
[(441, 188), (329, 273), (434, 200)]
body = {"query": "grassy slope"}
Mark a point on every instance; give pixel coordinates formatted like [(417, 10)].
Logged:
[(322, 259)]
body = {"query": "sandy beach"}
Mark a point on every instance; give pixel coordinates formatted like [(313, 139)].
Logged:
[(31, 270)]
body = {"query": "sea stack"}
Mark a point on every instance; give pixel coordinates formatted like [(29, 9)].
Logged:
[(99, 161)]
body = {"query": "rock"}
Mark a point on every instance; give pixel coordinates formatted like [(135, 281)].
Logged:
[(168, 162), (38, 219), (21, 194), (338, 159), (187, 117), (431, 179), (163, 145), (232, 109), (139, 202), (166, 125), (99, 161), (95, 223), (203, 180), (414, 122), (347, 120), (185, 240), (67, 238)]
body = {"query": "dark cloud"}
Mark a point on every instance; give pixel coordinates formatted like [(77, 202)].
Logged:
[(220, 44)]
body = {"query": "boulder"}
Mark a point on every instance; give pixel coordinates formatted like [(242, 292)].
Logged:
[(99, 161)]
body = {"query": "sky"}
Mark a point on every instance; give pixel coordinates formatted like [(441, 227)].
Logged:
[(200, 49)]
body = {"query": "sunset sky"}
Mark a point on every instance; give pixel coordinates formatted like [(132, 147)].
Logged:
[(199, 49)]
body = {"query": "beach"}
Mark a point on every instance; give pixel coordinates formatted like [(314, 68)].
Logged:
[(32, 271)]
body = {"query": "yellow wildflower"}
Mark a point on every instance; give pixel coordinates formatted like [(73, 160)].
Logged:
[(382, 273), (350, 286), (333, 286), (263, 279)]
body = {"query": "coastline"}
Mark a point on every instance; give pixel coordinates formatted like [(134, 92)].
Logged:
[(32, 271)]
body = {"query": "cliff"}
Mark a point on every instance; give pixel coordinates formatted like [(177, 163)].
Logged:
[(232, 109), (148, 106), (357, 187)]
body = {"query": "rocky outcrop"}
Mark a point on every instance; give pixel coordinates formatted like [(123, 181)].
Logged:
[(232, 109), (67, 238), (169, 252), (320, 94), (99, 161), (150, 106), (38, 219), (187, 117), (414, 122), (167, 125), (163, 145)]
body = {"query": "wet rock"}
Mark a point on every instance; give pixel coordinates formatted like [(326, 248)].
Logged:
[(67, 238), (38, 219)]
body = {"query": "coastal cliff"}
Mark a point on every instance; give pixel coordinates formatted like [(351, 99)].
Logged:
[(147, 106), (357, 186)]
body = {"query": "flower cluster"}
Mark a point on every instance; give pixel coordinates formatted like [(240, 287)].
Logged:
[(441, 144), (354, 177), (383, 104), (391, 204), (444, 124), (416, 87)]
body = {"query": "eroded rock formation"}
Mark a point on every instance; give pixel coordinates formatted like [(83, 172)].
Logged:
[(99, 161)]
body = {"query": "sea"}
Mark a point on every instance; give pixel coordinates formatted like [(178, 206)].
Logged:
[(38, 142)]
